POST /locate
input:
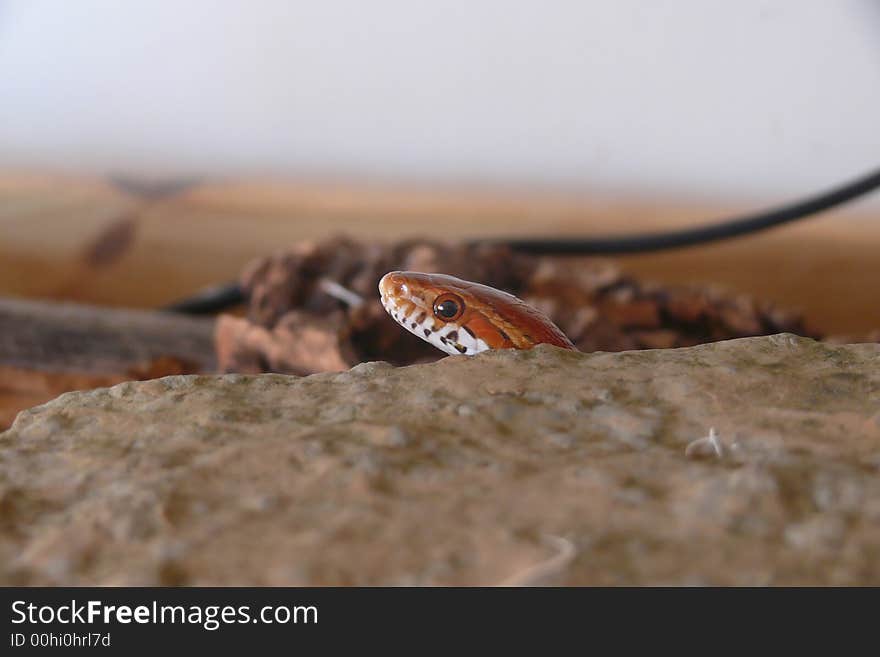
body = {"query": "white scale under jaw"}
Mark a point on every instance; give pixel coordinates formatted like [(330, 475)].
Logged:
[(451, 338)]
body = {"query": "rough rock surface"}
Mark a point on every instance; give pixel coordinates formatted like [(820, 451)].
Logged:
[(545, 467)]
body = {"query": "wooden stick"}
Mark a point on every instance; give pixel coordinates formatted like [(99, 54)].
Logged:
[(73, 338)]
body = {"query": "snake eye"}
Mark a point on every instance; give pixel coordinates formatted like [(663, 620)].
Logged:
[(448, 307)]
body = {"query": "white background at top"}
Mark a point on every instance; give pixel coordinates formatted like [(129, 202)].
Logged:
[(755, 98)]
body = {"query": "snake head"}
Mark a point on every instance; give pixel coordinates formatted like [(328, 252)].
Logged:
[(461, 317)]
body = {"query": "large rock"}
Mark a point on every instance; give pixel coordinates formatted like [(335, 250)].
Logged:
[(544, 467)]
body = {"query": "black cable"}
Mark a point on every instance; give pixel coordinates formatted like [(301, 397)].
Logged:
[(219, 298), (640, 243), (211, 300)]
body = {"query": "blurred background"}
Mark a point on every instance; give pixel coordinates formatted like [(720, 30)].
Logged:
[(151, 148), (702, 99)]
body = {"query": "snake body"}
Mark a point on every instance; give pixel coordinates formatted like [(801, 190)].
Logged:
[(461, 317)]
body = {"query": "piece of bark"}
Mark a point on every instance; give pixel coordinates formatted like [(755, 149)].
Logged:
[(72, 338), (297, 344)]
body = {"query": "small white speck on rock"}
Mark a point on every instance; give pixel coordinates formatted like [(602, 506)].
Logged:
[(465, 410), (710, 444)]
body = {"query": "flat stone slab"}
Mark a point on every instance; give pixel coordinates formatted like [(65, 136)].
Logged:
[(538, 467)]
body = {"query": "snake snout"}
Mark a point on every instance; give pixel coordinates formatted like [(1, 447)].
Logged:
[(393, 284)]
